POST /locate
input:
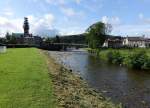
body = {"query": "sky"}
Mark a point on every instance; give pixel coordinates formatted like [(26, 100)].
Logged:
[(66, 17)]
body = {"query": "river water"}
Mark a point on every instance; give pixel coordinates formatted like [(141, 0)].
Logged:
[(122, 85)]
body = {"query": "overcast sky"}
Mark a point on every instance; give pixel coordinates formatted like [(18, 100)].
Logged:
[(47, 17)]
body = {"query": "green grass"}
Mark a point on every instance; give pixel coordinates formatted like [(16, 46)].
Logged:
[(24, 80)]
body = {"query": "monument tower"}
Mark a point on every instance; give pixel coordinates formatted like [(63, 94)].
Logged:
[(26, 27)]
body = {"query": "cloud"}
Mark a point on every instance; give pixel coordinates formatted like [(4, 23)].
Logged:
[(42, 26), (9, 25), (62, 2), (78, 1), (119, 28), (7, 12), (65, 8), (68, 11), (141, 27), (144, 20), (92, 5), (56, 2), (72, 30), (132, 30), (141, 16), (111, 20), (45, 32)]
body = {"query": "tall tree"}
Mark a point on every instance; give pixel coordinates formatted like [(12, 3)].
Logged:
[(13, 39), (96, 34), (57, 39), (2, 40), (8, 36), (48, 40)]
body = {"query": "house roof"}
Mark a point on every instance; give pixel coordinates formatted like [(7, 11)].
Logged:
[(147, 39), (136, 38), (114, 38)]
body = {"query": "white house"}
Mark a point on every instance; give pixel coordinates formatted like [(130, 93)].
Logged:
[(147, 42), (134, 42), (2, 48)]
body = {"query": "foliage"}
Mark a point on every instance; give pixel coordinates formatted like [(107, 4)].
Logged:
[(8, 36), (48, 40), (109, 56), (138, 60), (133, 58), (146, 65), (24, 80), (57, 39), (78, 39), (96, 34), (11, 39), (2, 40), (115, 57)]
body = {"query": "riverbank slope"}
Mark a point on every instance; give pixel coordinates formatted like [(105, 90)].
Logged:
[(72, 91)]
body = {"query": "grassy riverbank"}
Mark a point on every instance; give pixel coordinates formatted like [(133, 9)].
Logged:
[(72, 91), (29, 79), (24, 80), (132, 58)]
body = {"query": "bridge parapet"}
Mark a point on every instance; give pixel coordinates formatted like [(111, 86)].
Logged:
[(62, 46)]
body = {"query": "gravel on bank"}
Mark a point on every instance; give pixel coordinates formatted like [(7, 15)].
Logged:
[(71, 91)]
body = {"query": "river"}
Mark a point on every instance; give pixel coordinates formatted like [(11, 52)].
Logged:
[(121, 85)]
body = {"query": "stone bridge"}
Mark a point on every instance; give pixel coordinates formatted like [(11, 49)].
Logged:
[(63, 46)]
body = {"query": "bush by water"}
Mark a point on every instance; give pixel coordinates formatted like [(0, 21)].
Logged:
[(133, 58)]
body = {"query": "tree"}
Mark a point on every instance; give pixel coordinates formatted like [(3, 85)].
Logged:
[(2, 40), (96, 34), (13, 40), (57, 39), (8, 36), (48, 40)]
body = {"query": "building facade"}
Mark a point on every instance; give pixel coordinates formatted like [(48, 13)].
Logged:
[(26, 38), (131, 42), (113, 42), (147, 43), (139, 42)]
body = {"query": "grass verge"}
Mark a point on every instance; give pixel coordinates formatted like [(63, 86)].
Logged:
[(24, 80)]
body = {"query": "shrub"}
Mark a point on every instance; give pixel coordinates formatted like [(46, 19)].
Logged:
[(109, 56), (138, 59), (115, 57), (146, 65)]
